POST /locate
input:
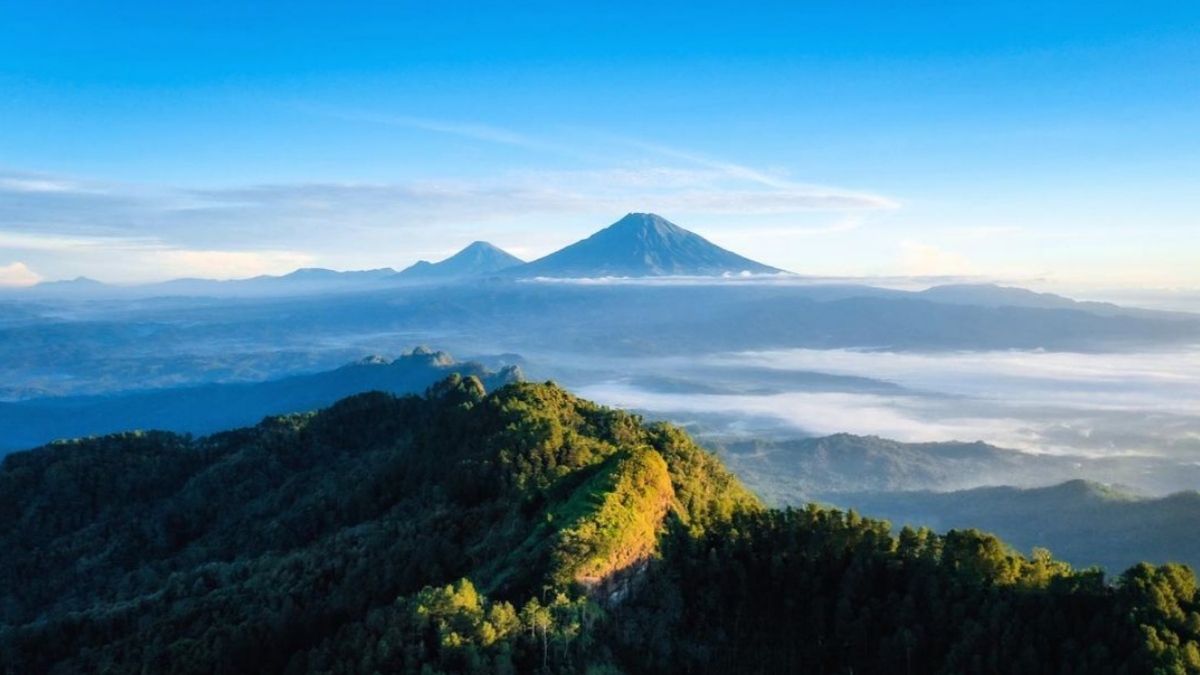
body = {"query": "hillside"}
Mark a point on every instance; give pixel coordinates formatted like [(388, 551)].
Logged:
[(524, 530), (213, 407), (799, 470), (641, 245), (796, 471), (1041, 503), (281, 533), (1084, 523)]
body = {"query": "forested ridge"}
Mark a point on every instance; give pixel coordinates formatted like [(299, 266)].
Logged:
[(524, 530)]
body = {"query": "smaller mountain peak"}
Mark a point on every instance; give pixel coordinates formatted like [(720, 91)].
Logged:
[(476, 259)]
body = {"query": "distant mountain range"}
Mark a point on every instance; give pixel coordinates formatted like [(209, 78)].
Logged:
[(302, 281), (641, 245), (213, 407), (638, 245), (993, 295)]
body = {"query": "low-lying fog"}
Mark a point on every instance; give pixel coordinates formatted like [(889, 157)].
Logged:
[(1059, 403)]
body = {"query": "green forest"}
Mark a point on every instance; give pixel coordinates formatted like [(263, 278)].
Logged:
[(519, 531)]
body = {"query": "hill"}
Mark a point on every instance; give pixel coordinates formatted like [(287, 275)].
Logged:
[(212, 407), (810, 469), (244, 550), (991, 295), (1085, 523), (478, 259), (797, 471), (641, 245), (524, 530), (1028, 500)]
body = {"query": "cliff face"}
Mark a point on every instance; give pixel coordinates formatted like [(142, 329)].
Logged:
[(614, 524)]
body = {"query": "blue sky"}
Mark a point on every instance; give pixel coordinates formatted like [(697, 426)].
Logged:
[(1051, 144)]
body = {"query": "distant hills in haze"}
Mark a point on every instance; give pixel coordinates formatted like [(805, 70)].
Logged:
[(1085, 523), (212, 407), (1027, 499), (823, 469)]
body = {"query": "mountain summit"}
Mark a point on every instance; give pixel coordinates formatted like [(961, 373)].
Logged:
[(642, 245), (476, 259)]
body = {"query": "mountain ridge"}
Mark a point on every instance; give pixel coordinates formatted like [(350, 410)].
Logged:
[(208, 408), (1084, 522)]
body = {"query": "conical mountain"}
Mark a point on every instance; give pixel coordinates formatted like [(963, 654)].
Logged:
[(642, 245), (476, 259)]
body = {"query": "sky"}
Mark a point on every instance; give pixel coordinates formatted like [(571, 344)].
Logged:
[(1048, 144)]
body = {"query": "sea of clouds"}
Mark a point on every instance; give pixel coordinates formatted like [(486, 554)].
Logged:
[(1043, 402)]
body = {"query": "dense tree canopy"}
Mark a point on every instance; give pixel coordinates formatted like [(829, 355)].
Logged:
[(523, 530)]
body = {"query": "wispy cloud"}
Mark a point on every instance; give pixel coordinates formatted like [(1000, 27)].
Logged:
[(17, 184), (481, 132), (730, 169), (820, 196), (771, 193), (274, 210)]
